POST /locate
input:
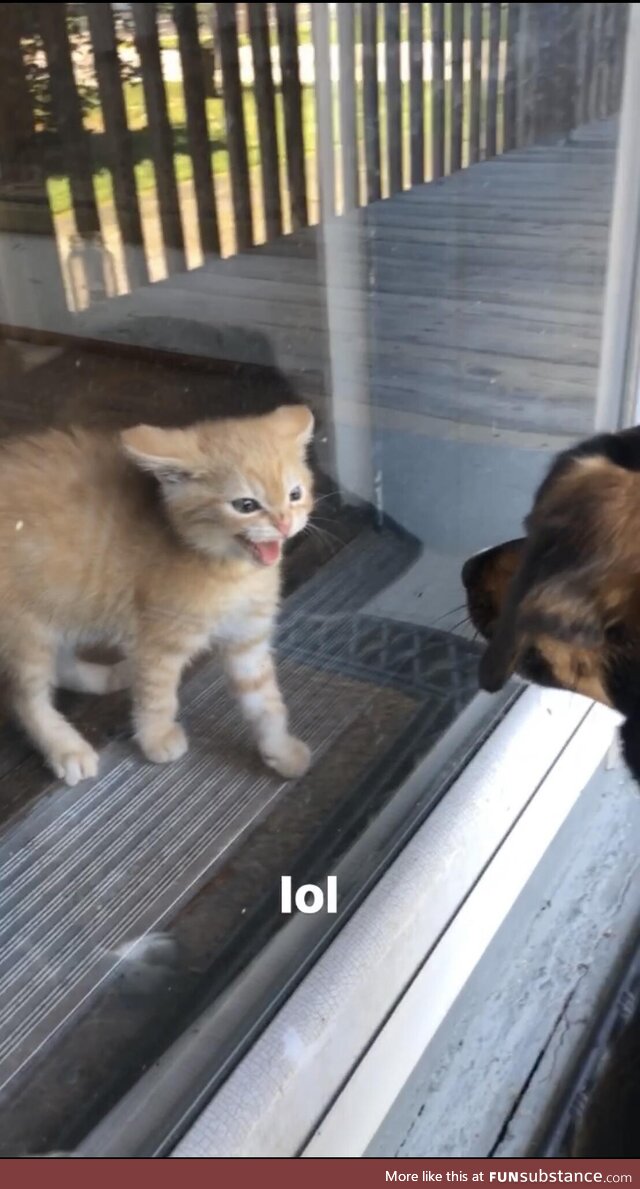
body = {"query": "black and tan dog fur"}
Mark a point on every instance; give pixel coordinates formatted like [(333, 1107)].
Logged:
[(561, 605)]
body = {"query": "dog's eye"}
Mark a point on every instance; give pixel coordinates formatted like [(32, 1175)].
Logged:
[(295, 494), (245, 506), (616, 633)]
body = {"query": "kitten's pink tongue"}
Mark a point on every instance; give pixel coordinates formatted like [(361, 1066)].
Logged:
[(268, 551)]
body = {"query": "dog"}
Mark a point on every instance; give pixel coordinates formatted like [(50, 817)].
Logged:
[(560, 606)]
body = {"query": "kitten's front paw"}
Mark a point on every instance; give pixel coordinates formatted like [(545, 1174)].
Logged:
[(165, 744), (74, 762), (290, 757)]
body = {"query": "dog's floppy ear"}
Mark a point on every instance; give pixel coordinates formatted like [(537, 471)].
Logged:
[(493, 569), (551, 594), (630, 737)]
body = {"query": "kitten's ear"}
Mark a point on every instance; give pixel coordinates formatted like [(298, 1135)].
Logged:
[(296, 421), (169, 454)]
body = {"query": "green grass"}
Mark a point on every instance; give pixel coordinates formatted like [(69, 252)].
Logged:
[(58, 186), (169, 41), (58, 183)]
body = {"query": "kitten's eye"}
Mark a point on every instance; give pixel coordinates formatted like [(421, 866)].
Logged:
[(295, 494), (245, 506)]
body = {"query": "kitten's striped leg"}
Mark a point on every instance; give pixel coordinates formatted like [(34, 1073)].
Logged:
[(32, 673), (253, 679), (155, 704)]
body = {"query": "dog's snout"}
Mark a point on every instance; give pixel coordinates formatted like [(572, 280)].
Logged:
[(469, 570), (490, 679), (497, 664)]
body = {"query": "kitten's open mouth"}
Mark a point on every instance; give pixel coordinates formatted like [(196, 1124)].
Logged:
[(267, 553)]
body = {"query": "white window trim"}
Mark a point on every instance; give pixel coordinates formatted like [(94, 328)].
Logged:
[(417, 936), (350, 1125)]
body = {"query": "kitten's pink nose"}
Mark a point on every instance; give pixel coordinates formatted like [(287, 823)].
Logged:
[(283, 525)]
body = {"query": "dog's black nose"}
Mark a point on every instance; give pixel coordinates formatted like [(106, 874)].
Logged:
[(488, 679)]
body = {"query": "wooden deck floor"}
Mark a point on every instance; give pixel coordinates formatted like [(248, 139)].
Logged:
[(477, 299)]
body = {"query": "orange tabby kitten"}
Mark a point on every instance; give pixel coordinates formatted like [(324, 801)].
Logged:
[(158, 541)]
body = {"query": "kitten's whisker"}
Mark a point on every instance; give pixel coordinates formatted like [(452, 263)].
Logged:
[(324, 537), (318, 529), (328, 496), (318, 521), (322, 519)]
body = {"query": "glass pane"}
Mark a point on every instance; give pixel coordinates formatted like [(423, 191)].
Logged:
[(395, 214)]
